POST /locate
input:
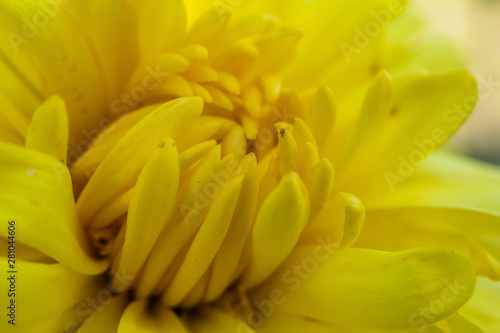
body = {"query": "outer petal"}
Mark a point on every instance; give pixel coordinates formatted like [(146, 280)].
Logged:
[(136, 319), (19, 71), (357, 288), (411, 47), (391, 139), (321, 66), (446, 180), (211, 320), (111, 28), (456, 190), (71, 66), (8, 133), (458, 324), (108, 318), (282, 322), (48, 298), (162, 26), (36, 193), (402, 229), (483, 307)]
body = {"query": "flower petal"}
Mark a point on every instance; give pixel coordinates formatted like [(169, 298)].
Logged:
[(402, 229), (191, 210), (151, 205), (122, 165), (322, 114), (411, 47), (283, 322), (458, 324), (211, 320), (206, 242), (367, 289), (12, 118), (483, 306), (341, 220), (49, 132), (46, 26), (139, 319), (426, 110), (278, 322), (36, 193), (108, 318), (64, 294), (162, 26), (8, 133), (230, 253), (19, 69), (83, 166), (446, 180), (277, 230)]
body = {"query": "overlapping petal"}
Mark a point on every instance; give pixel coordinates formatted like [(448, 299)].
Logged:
[(50, 297), (367, 289), (37, 194)]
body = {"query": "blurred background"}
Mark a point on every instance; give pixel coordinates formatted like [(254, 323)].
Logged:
[(475, 27)]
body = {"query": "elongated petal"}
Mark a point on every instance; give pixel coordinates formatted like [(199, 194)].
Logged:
[(277, 230), (122, 165), (208, 320), (373, 115), (72, 57), (111, 26), (193, 205), (426, 51), (108, 318), (277, 322), (48, 132), (458, 324), (412, 127), (163, 26), (19, 70), (282, 322), (319, 181), (197, 293), (446, 180), (230, 253), (12, 118), (65, 295), (8, 133), (289, 155), (482, 309), (136, 319), (357, 288), (152, 203), (206, 243), (402, 229), (82, 167), (340, 220), (36, 193), (322, 114)]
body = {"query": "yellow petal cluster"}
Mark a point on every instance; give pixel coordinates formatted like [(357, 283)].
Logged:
[(240, 166)]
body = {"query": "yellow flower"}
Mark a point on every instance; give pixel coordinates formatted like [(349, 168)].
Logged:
[(169, 167)]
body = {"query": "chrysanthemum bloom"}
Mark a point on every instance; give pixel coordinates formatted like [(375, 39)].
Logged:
[(238, 166)]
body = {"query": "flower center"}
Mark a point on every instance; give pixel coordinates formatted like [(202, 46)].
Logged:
[(190, 215)]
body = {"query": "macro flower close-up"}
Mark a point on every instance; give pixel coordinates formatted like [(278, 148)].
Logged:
[(246, 166)]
